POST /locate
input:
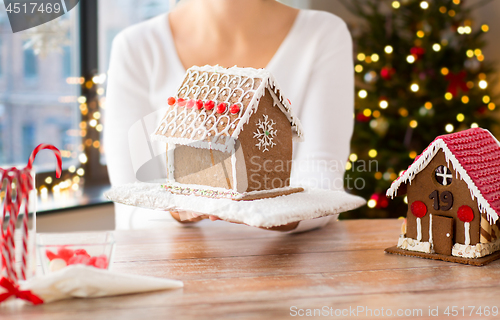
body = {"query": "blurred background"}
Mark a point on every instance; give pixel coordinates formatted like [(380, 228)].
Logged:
[(423, 68)]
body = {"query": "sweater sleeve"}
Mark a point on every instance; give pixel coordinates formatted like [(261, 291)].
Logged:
[(327, 115), (127, 102)]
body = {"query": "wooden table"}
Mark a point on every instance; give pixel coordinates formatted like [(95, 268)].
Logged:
[(239, 272)]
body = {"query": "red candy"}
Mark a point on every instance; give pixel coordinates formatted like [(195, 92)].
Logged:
[(199, 104), (65, 253), (79, 259), (221, 108), (419, 209), (209, 105), (78, 256), (51, 255), (234, 108), (190, 104), (101, 262), (465, 214), (171, 101), (81, 251), (181, 102)]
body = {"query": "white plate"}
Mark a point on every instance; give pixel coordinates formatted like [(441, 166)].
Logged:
[(309, 204)]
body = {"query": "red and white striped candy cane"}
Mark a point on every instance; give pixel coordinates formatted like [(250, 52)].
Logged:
[(27, 185), (50, 147)]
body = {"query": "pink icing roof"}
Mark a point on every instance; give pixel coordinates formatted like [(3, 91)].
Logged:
[(475, 155)]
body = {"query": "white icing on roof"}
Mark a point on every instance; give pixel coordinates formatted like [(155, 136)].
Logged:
[(209, 129)]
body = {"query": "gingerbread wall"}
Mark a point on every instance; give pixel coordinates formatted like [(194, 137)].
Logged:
[(203, 167), (424, 184), (269, 169)]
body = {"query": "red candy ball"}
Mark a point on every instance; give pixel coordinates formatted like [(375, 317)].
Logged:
[(199, 104), (221, 108), (51, 255), (181, 102), (234, 109), (465, 214), (171, 101), (65, 253), (209, 105), (190, 104), (419, 209)]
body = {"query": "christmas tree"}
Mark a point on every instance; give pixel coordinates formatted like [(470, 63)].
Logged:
[(420, 73)]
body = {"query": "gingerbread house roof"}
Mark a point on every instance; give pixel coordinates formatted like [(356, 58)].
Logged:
[(475, 156), (243, 88)]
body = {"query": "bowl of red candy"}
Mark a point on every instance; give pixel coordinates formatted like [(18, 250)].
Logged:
[(60, 250)]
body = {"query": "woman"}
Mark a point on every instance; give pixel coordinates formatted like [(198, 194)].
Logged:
[(308, 52)]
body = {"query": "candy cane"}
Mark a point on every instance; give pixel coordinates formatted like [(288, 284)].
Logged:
[(26, 187), (50, 147), (25, 184)]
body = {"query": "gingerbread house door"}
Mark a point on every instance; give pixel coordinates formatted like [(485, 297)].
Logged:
[(442, 234)]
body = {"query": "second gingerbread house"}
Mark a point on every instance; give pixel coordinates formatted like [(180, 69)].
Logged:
[(453, 193)]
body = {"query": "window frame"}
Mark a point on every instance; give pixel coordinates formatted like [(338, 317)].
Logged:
[(96, 174)]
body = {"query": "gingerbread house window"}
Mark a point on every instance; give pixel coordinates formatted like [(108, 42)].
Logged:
[(443, 175)]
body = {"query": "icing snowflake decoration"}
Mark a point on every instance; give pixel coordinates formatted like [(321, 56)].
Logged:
[(265, 134)]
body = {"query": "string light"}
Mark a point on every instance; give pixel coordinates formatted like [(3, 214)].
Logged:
[(48, 180), (480, 58), (368, 59), (348, 165), (465, 99), (371, 203), (449, 128), (383, 104), (358, 68), (486, 99), (460, 117), (474, 125), (413, 124), (470, 84), (372, 153), (436, 47), (420, 34), (412, 155), (491, 106), (367, 112), (72, 169), (485, 28), (362, 94), (80, 172), (424, 5), (410, 59), (448, 96), (428, 105), (388, 49), (375, 57), (478, 52), (353, 157), (483, 84), (442, 9), (376, 114), (378, 175), (457, 2), (482, 76), (405, 199), (451, 13), (403, 112), (467, 29), (414, 87), (445, 71), (396, 4), (361, 56)]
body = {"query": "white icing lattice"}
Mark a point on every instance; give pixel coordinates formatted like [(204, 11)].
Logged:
[(243, 87), (265, 134)]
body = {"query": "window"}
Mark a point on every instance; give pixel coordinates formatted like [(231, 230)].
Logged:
[(1, 57), (30, 63), (42, 111)]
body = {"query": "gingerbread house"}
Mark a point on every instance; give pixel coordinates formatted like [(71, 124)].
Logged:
[(229, 134), (453, 193)]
